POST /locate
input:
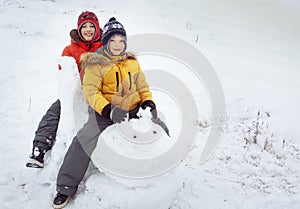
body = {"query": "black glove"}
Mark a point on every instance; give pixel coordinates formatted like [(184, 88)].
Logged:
[(152, 106), (133, 113), (117, 115)]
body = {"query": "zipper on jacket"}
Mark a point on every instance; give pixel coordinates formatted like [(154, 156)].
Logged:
[(123, 92), (90, 46), (130, 81), (117, 79)]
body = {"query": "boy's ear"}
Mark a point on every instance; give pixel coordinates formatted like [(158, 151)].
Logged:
[(74, 35)]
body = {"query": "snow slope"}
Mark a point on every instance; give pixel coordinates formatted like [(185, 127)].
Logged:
[(254, 48)]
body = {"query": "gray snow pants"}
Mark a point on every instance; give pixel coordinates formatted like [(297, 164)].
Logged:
[(46, 132), (77, 158)]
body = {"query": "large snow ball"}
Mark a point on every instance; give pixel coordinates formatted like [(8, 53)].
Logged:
[(185, 87)]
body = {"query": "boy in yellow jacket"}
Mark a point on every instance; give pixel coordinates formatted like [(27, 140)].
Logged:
[(113, 78), (114, 86)]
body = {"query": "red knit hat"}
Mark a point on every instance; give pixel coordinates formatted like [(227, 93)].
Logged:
[(88, 17)]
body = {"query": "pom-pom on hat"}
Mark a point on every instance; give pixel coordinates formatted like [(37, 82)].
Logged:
[(85, 17), (113, 27)]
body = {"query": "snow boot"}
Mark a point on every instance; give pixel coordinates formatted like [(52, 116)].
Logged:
[(60, 200), (36, 158)]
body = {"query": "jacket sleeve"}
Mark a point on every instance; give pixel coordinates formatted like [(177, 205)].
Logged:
[(92, 88), (67, 52), (142, 86)]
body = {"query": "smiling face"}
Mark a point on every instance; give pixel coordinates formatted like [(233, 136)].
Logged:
[(116, 45), (88, 31)]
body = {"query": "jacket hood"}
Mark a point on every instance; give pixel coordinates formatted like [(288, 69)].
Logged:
[(75, 36), (101, 58)]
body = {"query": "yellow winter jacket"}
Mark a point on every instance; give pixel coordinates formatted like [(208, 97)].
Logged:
[(113, 79)]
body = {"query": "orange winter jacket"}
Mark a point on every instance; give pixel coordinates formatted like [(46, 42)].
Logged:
[(75, 49), (118, 80), (78, 47)]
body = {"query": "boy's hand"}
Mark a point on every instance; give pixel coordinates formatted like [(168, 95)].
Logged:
[(118, 115), (152, 106)]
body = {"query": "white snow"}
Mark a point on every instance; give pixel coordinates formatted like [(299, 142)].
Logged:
[(254, 48)]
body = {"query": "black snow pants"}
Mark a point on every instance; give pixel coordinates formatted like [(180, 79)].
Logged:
[(77, 158), (46, 132)]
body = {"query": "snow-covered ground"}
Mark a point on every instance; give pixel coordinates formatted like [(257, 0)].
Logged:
[(254, 48)]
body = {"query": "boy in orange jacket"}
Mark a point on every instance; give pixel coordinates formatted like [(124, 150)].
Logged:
[(86, 38)]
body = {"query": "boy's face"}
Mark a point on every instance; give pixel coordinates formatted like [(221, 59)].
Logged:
[(116, 45), (88, 31)]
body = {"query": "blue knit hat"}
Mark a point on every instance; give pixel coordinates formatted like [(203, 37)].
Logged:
[(113, 27)]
